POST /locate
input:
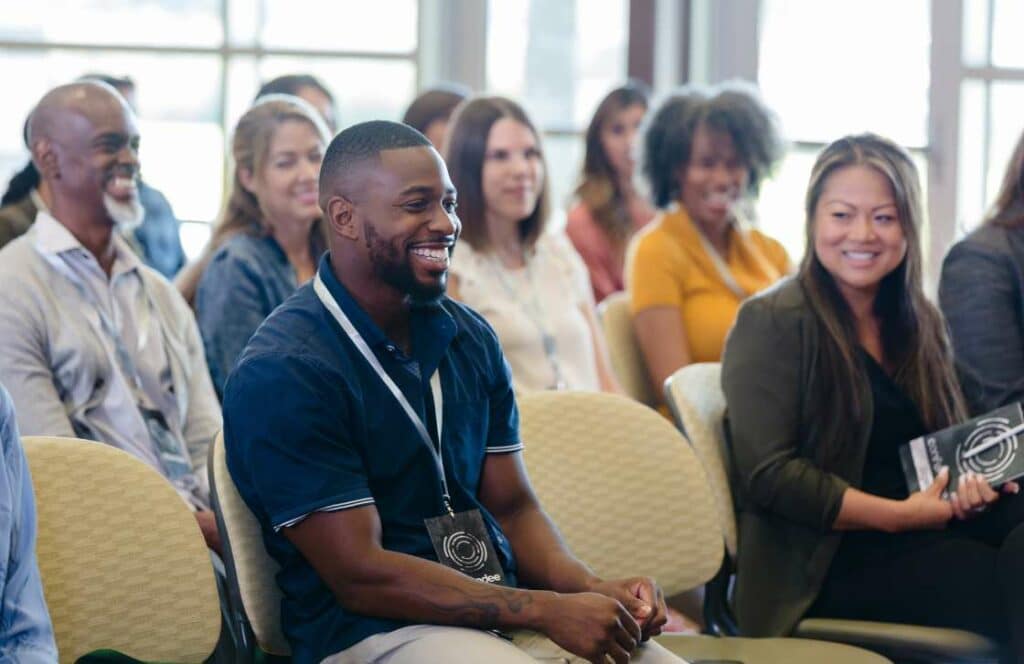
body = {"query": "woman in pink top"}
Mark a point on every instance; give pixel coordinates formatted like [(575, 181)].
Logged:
[(608, 209)]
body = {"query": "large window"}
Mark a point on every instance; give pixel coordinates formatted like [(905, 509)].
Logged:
[(991, 99), (558, 58), (197, 65), (819, 72)]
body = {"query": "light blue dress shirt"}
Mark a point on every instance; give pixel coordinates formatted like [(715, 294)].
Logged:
[(26, 635)]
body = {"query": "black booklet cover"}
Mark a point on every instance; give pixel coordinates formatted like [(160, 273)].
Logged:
[(989, 445)]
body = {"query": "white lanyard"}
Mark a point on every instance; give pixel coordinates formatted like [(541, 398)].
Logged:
[(723, 270), (435, 384), (534, 311)]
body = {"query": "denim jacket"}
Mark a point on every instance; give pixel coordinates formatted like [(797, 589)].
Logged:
[(26, 635), (245, 280)]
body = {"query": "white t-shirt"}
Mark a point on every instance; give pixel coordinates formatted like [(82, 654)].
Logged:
[(544, 299)]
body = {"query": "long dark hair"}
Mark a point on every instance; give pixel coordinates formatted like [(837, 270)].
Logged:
[(734, 108), (24, 181), (914, 335), (600, 189), (467, 145), (1008, 210), (436, 103)]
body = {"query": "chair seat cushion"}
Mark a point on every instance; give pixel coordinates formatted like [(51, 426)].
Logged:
[(930, 643), (701, 648)]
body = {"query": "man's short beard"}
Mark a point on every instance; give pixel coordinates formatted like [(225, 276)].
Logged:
[(389, 266), (127, 216)]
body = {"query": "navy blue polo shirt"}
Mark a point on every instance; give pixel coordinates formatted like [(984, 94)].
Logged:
[(309, 426)]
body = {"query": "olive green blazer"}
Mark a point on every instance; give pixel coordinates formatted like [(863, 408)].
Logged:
[(786, 503)]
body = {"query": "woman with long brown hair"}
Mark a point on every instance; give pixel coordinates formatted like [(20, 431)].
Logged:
[(529, 284), (982, 295), (826, 376), (609, 209), (271, 234)]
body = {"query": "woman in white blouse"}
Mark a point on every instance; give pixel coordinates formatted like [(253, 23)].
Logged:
[(531, 286)]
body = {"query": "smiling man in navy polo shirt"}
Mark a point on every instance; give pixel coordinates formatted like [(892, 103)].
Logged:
[(371, 426)]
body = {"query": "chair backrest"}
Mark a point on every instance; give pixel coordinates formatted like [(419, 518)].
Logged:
[(627, 359), (695, 397), (623, 487), (251, 571), (123, 563)]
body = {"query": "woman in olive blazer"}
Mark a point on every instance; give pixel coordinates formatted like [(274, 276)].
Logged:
[(825, 376)]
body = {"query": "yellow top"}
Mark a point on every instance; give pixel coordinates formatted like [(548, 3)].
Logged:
[(667, 265)]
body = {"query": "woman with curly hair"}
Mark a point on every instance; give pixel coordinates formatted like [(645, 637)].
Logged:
[(609, 210), (706, 153)]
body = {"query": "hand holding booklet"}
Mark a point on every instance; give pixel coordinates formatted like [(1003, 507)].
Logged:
[(989, 445)]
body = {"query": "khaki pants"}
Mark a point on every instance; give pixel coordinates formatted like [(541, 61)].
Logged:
[(437, 644)]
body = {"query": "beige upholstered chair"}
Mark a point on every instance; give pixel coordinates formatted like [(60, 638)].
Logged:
[(123, 563), (694, 395), (255, 596), (627, 359), (631, 498)]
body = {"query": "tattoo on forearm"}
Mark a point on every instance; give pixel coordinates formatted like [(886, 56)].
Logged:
[(478, 608)]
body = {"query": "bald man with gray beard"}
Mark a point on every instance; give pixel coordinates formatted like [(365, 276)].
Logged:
[(96, 344)]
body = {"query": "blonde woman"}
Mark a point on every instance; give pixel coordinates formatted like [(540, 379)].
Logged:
[(271, 234)]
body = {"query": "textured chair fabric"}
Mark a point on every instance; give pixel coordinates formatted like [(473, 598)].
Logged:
[(123, 563), (695, 397), (627, 359), (630, 497), (250, 569), (601, 466)]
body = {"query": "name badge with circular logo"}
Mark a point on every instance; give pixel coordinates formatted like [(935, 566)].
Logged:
[(461, 542)]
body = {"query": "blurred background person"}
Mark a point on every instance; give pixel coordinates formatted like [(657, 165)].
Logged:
[(706, 152), (156, 239), (271, 233), (26, 633), (430, 111), (609, 210), (530, 285), (981, 292), (309, 89)]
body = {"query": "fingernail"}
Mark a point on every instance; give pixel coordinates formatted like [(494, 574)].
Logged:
[(645, 610), (963, 478)]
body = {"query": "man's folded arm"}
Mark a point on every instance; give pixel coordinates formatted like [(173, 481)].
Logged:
[(344, 547)]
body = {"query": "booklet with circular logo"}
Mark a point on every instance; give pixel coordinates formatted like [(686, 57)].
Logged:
[(988, 445)]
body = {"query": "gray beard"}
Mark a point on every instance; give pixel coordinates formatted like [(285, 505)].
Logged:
[(126, 216)]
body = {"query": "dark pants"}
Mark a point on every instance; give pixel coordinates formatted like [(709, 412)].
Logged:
[(968, 576)]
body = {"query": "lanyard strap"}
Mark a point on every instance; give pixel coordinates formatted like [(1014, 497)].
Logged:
[(535, 312), (435, 385), (170, 448), (723, 270)]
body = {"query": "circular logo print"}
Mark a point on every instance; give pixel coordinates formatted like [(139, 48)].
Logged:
[(990, 463), (465, 550)]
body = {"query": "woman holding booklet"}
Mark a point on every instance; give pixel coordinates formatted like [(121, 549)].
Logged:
[(826, 376)]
